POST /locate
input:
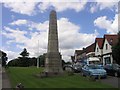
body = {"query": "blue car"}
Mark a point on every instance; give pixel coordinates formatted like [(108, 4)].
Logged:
[(94, 70)]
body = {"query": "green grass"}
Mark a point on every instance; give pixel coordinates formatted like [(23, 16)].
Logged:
[(25, 75)]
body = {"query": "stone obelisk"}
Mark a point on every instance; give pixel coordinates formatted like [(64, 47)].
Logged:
[(53, 63)]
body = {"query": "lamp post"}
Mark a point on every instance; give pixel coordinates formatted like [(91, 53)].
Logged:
[(38, 62), (38, 56)]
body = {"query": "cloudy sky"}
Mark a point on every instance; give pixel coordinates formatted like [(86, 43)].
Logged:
[(79, 23)]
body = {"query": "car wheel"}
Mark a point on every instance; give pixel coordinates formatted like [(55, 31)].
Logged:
[(115, 74)]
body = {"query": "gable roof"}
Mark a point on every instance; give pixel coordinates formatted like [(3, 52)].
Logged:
[(78, 52), (86, 50), (90, 48), (112, 39), (100, 42)]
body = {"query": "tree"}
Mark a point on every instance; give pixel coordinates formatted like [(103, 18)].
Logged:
[(116, 50), (4, 58), (24, 60), (20, 62), (42, 59), (24, 53), (14, 62), (33, 61)]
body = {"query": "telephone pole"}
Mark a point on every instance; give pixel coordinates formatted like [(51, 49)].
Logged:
[(38, 56)]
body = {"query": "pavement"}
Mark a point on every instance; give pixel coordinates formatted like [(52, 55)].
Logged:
[(5, 83), (0, 77), (113, 81)]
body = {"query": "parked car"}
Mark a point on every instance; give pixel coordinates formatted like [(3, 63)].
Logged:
[(68, 68), (77, 68), (93, 70), (113, 69)]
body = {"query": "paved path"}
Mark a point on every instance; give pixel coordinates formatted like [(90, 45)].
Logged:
[(5, 79), (0, 78), (113, 81)]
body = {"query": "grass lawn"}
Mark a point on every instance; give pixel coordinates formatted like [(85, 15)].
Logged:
[(25, 75)]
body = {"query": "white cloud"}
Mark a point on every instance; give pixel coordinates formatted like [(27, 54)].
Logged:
[(39, 26), (111, 26), (62, 6), (31, 8), (31, 25), (19, 22), (15, 35), (27, 8), (70, 38), (12, 55), (108, 5), (98, 5)]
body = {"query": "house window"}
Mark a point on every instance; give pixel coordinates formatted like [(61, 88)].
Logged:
[(106, 46), (107, 60), (111, 41), (97, 50)]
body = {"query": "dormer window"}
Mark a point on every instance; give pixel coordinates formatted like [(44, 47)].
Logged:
[(106, 46)]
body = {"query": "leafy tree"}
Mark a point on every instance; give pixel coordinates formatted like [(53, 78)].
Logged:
[(24, 53), (14, 62), (42, 59), (24, 60), (4, 58), (20, 62), (116, 50), (33, 61)]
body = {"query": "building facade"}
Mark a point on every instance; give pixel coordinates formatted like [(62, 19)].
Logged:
[(87, 52), (103, 48)]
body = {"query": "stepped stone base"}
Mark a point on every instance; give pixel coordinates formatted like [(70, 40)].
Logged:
[(53, 64), (49, 74)]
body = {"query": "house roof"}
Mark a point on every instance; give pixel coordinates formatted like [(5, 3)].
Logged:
[(78, 52), (90, 48), (99, 41), (112, 39)]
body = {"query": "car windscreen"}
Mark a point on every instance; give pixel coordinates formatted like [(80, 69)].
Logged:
[(95, 67)]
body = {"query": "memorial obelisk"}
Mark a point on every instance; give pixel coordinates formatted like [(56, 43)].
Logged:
[(53, 63)]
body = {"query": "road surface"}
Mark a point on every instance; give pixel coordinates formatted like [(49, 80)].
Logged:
[(0, 77), (113, 81), (5, 79)]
